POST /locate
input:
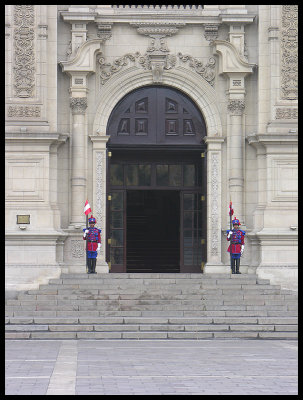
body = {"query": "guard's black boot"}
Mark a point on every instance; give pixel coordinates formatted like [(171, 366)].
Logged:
[(94, 260), (89, 265), (238, 266), (233, 266)]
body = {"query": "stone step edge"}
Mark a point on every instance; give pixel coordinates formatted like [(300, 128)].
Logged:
[(151, 335)]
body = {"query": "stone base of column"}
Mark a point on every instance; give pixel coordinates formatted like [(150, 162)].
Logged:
[(225, 269), (216, 269), (101, 268)]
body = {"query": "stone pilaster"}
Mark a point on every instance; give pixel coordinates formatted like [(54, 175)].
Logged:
[(78, 174), (214, 195), (235, 156), (99, 194)]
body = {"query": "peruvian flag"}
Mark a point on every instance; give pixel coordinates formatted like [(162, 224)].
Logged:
[(87, 208), (231, 211)]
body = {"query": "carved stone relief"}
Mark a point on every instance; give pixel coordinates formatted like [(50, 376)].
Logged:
[(24, 54), (286, 113), (77, 248), (207, 71), (236, 107), (211, 31), (78, 105), (289, 49), (157, 64), (23, 111), (214, 203), (100, 195)]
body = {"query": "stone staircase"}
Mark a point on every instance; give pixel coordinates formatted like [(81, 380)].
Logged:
[(154, 306)]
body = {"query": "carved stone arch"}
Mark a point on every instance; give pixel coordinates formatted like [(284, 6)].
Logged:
[(179, 78)]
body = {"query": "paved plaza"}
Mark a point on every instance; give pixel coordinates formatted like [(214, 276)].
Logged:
[(151, 367)]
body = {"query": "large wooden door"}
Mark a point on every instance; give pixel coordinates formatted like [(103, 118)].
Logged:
[(155, 146)]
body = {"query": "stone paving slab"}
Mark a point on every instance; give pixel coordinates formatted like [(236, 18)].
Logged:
[(151, 367)]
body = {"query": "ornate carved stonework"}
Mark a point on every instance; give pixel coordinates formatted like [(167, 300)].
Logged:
[(24, 55), (78, 105), (207, 71), (100, 195), (23, 111), (289, 49), (157, 63), (211, 31), (214, 204), (104, 31), (236, 107), (77, 248), (286, 113)]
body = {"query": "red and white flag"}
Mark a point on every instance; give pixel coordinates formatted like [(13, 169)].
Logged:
[(87, 208)]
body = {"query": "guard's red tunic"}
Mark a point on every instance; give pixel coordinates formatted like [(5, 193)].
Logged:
[(93, 237), (237, 239)]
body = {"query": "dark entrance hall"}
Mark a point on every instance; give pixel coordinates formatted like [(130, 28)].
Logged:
[(153, 231)]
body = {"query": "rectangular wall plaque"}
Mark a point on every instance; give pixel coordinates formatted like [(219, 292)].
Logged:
[(23, 219)]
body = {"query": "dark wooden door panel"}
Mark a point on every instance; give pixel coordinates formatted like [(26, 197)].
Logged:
[(156, 115)]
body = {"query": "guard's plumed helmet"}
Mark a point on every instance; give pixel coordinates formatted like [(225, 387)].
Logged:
[(236, 221), (92, 220)]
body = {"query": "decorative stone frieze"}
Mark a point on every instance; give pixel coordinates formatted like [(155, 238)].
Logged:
[(157, 63), (78, 105), (289, 50), (24, 52), (286, 113), (16, 111), (236, 107)]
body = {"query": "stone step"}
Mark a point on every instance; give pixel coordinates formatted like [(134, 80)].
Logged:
[(152, 335), (149, 328), (152, 320)]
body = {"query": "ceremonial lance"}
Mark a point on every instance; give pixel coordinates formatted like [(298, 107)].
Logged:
[(231, 211), (87, 210)]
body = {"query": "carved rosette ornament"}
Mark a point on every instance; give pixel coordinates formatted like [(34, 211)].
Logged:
[(78, 105), (289, 49), (236, 107), (24, 55)]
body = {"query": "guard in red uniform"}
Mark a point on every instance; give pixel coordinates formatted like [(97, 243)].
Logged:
[(93, 237), (237, 246)]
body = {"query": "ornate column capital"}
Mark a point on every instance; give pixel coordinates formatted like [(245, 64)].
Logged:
[(78, 105), (236, 106)]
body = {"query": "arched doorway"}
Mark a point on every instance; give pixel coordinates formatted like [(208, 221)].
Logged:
[(156, 183)]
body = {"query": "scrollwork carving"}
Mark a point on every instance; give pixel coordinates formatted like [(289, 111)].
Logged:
[(207, 71), (24, 56), (156, 63)]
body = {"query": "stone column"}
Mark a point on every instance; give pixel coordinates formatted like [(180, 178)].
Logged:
[(235, 156), (78, 174)]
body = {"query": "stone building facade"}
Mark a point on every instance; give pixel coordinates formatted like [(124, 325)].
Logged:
[(69, 67)]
